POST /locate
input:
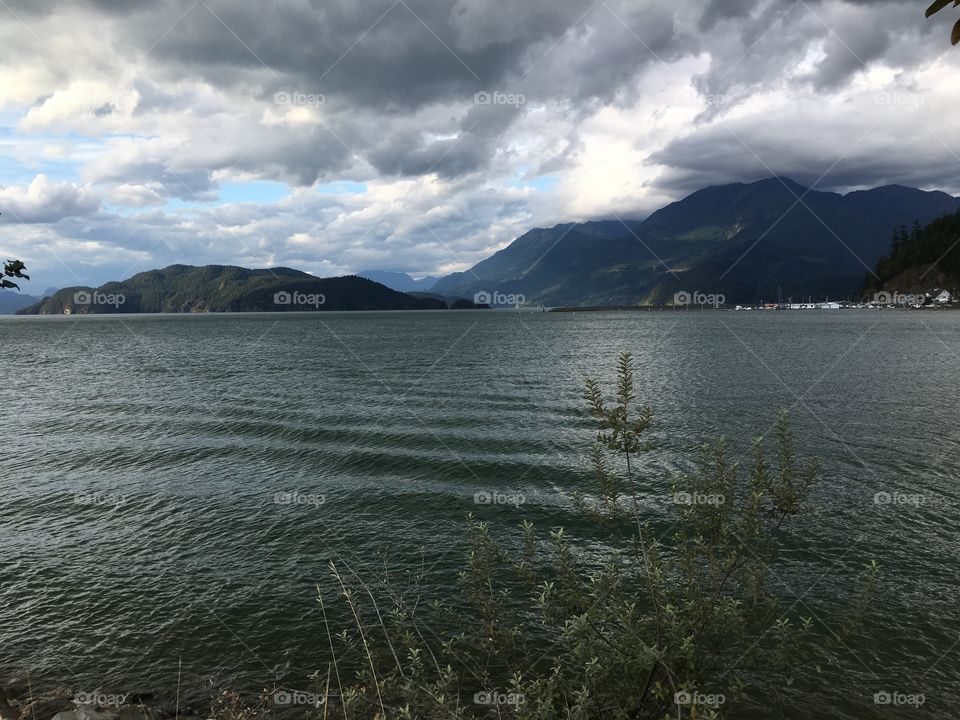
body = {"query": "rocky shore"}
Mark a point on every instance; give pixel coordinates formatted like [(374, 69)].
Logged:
[(65, 704)]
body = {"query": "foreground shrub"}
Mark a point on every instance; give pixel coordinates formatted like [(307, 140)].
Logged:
[(623, 621)]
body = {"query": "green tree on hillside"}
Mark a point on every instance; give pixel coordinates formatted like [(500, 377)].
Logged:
[(918, 261)]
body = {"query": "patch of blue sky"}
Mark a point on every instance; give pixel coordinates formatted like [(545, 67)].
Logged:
[(541, 183), (60, 157), (14, 171), (253, 191)]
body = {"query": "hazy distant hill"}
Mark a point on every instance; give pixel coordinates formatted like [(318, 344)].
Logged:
[(749, 242), (219, 288), (11, 301), (399, 281)]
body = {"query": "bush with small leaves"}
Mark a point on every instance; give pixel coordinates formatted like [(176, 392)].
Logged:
[(616, 623)]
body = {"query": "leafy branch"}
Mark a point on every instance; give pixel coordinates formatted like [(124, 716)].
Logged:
[(939, 5)]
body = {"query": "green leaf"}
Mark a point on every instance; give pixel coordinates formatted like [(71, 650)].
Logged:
[(955, 37), (937, 6)]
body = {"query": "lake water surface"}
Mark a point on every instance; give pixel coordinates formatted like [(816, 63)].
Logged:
[(142, 454)]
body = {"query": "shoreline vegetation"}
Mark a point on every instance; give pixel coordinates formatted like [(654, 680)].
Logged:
[(627, 615)]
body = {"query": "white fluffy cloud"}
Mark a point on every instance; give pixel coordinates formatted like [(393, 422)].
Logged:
[(45, 201)]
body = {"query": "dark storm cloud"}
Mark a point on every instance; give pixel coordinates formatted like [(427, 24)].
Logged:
[(771, 38), (397, 55), (829, 153), (406, 155), (378, 63), (718, 10), (39, 8), (388, 59), (378, 54)]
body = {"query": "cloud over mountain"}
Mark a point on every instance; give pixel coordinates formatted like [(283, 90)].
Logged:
[(419, 135)]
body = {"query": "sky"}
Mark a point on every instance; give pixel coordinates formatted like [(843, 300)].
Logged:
[(423, 135)]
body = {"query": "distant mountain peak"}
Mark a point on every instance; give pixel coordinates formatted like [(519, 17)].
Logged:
[(747, 241), (779, 183), (399, 281)]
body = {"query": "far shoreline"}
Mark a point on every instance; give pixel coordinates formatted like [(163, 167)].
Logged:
[(729, 308)]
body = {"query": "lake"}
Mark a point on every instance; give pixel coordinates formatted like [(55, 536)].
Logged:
[(173, 487)]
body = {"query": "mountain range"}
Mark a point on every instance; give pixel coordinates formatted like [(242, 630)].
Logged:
[(749, 242), (221, 288), (11, 302), (753, 242)]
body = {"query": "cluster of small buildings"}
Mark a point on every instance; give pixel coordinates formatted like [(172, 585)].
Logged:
[(932, 299), (827, 305)]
